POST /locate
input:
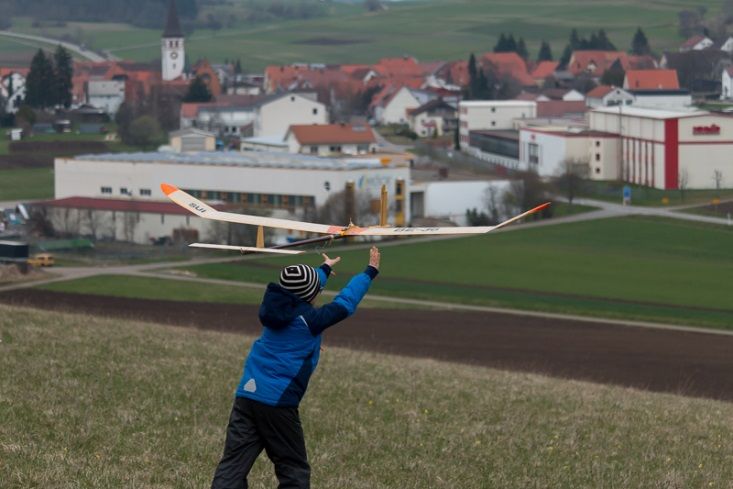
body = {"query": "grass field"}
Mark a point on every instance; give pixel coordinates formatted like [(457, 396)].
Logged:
[(89, 402), (26, 184), (350, 34), (627, 268)]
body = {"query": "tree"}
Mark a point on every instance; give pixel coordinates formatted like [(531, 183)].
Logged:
[(525, 193), (718, 177), (63, 74), (683, 181), (571, 176), (39, 82), (522, 49), (373, 5), (144, 131), (545, 52), (690, 22), (500, 46), (640, 44), (198, 91)]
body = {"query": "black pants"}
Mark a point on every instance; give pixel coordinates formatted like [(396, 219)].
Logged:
[(254, 426)]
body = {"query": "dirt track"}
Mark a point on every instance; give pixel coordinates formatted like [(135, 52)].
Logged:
[(693, 364)]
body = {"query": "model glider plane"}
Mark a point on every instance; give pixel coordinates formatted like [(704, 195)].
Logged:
[(329, 232)]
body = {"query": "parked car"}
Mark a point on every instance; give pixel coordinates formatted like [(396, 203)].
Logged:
[(42, 260)]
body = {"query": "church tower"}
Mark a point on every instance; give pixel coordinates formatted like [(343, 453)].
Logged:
[(172, 45)]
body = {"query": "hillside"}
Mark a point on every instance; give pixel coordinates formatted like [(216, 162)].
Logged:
[(348, 33)]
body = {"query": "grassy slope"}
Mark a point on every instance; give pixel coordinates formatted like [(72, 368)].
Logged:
[(455, 28), (89, 402)]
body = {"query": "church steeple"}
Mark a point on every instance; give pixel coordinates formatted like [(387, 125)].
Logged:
[(172, 26), (173, 54)]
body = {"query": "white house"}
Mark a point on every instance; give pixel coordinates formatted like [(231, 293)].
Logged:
[(434, 118), (696, 43), (107, 95), (265, 116), (395, 108), (491, 115), (274, 114), (329, 139)]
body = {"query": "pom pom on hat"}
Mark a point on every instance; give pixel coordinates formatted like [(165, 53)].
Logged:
[(301, 280)]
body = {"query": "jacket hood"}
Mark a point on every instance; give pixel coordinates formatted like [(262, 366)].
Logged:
[(280, 306)]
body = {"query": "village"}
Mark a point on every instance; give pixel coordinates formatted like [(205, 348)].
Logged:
[(289, 139)]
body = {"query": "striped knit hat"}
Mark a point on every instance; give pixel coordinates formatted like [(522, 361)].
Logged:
[(301, 280)]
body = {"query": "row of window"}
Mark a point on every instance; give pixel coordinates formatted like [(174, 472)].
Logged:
[(143, 192), (277, 201)]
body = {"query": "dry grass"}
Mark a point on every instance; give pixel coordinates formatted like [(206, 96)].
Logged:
[(89, 402)]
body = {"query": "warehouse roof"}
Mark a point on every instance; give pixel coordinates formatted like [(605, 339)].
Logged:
[(261, 159)]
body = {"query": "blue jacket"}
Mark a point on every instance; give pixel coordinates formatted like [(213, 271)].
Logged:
[(281, 362)]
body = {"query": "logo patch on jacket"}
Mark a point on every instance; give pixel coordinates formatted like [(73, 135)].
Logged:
[(250, 386)]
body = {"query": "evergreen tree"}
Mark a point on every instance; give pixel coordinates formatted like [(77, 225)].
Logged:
[(574, 40), (640, 44), (500, 44), (40, 82), (472, 77), (522, 49), (604, 43), (197, 91), (63, 73), (566, 55), (511, 44), (545, 52)]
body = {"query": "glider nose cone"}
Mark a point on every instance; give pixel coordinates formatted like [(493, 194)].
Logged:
[(167, 189)]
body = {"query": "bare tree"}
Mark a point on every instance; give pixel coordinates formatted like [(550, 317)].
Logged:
[(65, 220), (523, 194), (492, 201), (238, 234), (93, 220), (571, 176), (683, 180), (718, 177), (341, 209)]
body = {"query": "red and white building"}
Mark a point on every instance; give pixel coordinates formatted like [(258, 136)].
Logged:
[(663, 149)]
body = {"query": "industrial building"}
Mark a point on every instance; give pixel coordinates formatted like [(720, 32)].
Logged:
[(289, 185)]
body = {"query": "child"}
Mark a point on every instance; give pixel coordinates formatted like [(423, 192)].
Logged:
[(278, 368)]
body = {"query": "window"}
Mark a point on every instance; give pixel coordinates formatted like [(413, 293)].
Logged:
[(314, 150), (598, 171), (335, 149), (124, 191), (598, 156), (145, 192), (493, 109), (493, 123), (598, 143), (315, 111), (292, 99), (533, 150), (106, 190)]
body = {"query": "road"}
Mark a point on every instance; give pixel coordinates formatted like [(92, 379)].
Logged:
[(74, 48)]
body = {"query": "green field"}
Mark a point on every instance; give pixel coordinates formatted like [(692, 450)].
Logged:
[(87, 402), (26, 184), (350, 34), (643, 269)]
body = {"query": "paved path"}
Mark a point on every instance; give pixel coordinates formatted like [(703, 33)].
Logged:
[(74, 48)]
